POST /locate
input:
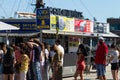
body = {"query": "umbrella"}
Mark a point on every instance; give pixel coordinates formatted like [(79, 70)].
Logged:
[(5, 26)]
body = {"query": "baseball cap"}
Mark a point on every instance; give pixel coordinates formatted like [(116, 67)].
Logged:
[(101, 38)]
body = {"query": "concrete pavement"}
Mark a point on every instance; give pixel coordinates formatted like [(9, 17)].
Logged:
[(92, 75)]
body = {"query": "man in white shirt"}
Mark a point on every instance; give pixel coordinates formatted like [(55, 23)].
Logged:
[(58, 43)]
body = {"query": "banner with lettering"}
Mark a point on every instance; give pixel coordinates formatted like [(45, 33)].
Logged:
[(63, 23), (43, 19), (53, 22), (83, 25), (101, 27), (66, 24)]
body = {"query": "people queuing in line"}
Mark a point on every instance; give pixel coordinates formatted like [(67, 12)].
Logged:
[(51, 57), (114, 59), (24, 60), (35, 54), (100, 58), (80, 64), (17, 51), (8, 63), (58, 60), (46, 65), (32, 60), (1, 58)]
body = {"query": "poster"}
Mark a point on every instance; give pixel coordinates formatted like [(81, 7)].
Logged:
[(83, 25), (63, 23), (101, 27), (74, 42), (43, 19), (53, 22)]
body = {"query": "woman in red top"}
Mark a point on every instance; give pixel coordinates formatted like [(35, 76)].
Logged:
[(81, 53)]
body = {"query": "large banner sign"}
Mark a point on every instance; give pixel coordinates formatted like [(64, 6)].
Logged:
[(63, 23), (73, 42), (83, 25), (43, 18), (101, 27), (53, 22), (24, 25)]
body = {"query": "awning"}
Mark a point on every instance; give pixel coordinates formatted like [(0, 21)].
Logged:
[(110, 34), (19, 34), (5, 26)]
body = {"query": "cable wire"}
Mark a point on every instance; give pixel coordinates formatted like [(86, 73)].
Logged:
[(1, 5), (86, 8), (4, 11), (75, 4), (12, 7), (18, 5), (27, 5)]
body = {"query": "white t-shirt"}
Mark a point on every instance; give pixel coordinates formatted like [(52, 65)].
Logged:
[(62, 50), (115, 53), (47, 53), (1, 53)]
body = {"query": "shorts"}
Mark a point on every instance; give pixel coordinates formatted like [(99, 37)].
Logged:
[(114, 66), (8, 70), (101, 70)]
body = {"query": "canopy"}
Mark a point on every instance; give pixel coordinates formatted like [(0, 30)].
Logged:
[(110, 34), (20, 34), (5, 26)]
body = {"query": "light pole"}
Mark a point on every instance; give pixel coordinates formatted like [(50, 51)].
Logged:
[(7, 39)]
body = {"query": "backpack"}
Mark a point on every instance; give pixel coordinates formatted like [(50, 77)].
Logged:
[(8, 60)]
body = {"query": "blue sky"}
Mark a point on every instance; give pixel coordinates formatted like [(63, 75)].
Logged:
[(100, 9)]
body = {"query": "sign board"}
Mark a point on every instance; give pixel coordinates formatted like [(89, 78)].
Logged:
[(73, 43), (24, 25), (83, 25), (64, 23), (53, 22), (65, 12), (43, 18), (101, 27)]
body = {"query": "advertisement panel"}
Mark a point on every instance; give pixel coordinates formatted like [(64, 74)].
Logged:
[(64, 23), (53, 22), (101, 27), (24, 25), (83, 25), (74, 42), (43, 18)]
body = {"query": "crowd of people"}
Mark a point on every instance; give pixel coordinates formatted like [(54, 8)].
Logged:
[(31, 60), (104, 55)]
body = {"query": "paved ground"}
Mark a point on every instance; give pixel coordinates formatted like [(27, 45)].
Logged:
[(92, 75)]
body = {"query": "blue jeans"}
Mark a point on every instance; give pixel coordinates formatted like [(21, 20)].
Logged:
[(101, 70), (1, 68), (46, 66), (36, 71)]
